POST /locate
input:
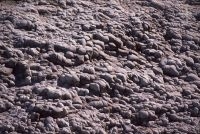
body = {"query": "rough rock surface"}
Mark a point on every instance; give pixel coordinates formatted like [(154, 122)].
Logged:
[(100, 66)]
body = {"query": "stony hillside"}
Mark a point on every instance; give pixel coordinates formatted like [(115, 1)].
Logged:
[(100, 67)]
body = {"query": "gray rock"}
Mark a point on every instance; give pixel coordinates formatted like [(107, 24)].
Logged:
[(94, 88), (108, 77), (88, 27), (82, 91), (69, 54), (99, 43), (33, 51), (153, 52), (133, 57), (144, 80), (89, 70), (98, 104), (50, 124), (25, 24), (143, 115), (62, 47), (170, 70), (6, 71), (5, 105), (62, 123), (52, 93), (192, 77), (62, 3), (49, 92), (85, 79), (81, 50), (49, 110), (121, 76), (65, 130), (69, 79), (175, 117), (189, 61), (101, 37), (173, 33), (30, 42), (115, 40), (59, 59), (157, 4), (79, 59), (81, 41)]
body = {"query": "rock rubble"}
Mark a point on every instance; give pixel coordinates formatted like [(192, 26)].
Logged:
[(99, 66)]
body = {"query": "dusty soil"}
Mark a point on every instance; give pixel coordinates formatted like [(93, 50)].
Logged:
[(100, 66)]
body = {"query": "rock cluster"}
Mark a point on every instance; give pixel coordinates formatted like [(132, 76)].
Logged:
[(99, 66)]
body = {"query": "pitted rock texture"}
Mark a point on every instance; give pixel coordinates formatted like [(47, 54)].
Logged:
[(100, 66)]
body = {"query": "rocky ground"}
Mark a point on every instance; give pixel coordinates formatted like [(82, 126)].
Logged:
[(100, 66)]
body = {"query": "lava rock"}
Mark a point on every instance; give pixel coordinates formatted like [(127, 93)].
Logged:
[(101, 37), (94, 88), (170, 70), (59, 59), (25, 24), (6, 71)]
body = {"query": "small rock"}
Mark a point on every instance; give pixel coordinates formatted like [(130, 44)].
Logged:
[(121, 76), (89, 70), (94, 88), (5, 105), (189, 61), (173, 33), (108, 77), (69, 54), (25, 24), (174, 118), (81, 41), (62, 47), (81, 50), (49, 110), (170, 70), (143, 115), (79, 59), (65, 130), (62, 123), (62, 3), (6, 71), (85, 79), (192, 77), (99, 43), (69, 79), (59, 59), (101, 37), (144, 80), (33, 51), (98, 104), (50, 124), (157, 4), (115, 40), (82, 91)]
